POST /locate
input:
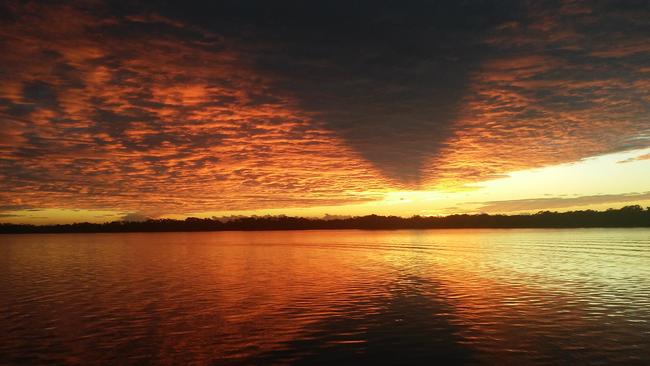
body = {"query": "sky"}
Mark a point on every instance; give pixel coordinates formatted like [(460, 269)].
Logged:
[(116, 110)]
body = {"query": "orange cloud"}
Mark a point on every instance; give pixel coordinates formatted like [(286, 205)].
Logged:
[(154, 114), (155, 124), (637, 158), (547, 99)]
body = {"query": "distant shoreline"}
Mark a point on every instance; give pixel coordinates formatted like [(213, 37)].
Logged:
[(351, 229), (627, 217)]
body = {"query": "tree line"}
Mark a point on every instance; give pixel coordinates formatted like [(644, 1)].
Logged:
[(628, 216)]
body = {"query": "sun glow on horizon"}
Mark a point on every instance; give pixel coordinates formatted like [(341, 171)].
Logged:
[(577, 185), (563, 187)]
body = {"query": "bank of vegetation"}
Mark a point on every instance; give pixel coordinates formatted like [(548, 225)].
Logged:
[(629, 216)]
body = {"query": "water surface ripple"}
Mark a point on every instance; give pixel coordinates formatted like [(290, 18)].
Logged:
[(539, 297)]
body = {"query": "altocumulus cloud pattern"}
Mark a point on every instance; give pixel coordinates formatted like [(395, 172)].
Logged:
[(161, 108)]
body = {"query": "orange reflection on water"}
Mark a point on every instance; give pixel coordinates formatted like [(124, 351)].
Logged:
[(482, 296)]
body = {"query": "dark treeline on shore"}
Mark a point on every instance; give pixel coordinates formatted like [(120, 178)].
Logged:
[(629, 216)]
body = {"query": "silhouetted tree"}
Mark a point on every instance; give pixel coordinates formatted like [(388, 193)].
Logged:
[(628, 216)]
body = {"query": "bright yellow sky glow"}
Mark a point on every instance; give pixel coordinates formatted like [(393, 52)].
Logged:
[(599, 182), (601, 175)]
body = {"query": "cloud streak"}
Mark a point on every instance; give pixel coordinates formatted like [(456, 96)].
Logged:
[(551, 203), (636, 158)]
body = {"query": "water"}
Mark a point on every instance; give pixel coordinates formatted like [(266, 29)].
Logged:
[(327, 297)]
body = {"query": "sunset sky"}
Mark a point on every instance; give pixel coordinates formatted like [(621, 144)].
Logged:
[(129, 109)]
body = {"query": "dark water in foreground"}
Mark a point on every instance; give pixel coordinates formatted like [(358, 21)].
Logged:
[(327, 297)]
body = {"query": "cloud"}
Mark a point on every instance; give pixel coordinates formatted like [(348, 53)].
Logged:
[(135, 216), (170, 108), (636, 158), (377, 74), (547, 98), (14, 207), (491, 88), (179, 124), (40, 94), (536, 204)]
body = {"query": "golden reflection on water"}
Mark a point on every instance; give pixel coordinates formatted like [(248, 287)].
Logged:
[(462, 296)]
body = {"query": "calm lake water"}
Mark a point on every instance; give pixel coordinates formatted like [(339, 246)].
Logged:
[(577, 296)]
